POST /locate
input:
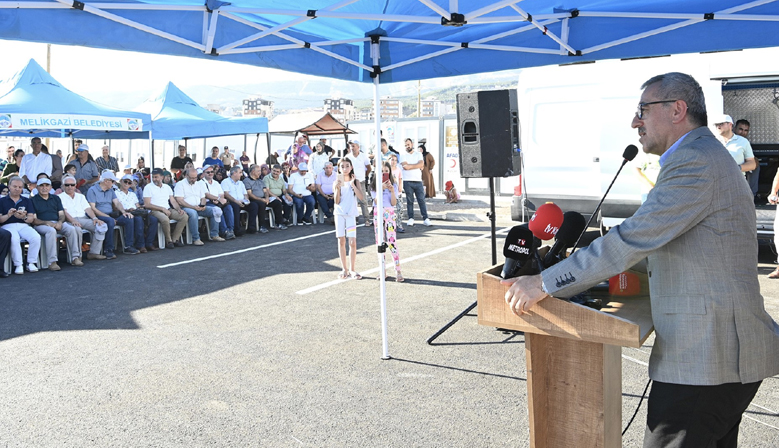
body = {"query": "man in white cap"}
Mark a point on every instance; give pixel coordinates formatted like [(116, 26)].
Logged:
[(301, 185), (102, 199), (86, 168), (737, 146), (79, 214), (133, 223), (50, 221)]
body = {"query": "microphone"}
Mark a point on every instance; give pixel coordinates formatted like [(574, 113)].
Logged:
[(573, 225), (546, 221), (518, 248), (627, 155)]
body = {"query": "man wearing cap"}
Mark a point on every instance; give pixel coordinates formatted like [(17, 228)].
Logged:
[(214, 160), (103, 200), (158, 197), (86, 168), (133, 224), (191, 196), (227, 158), (178, 163), (361, 164), (50, 221), (738, 147), (301, 185), (35, 163), (107, 162), (17, 213)]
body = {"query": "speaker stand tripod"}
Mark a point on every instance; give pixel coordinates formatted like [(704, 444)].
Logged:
[(491, 216)]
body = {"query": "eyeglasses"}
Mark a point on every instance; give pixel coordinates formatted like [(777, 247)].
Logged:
[(641, 106), (127, 181), (68, 185), (208, 172)]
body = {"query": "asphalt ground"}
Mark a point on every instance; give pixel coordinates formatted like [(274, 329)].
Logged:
[(251, 342)]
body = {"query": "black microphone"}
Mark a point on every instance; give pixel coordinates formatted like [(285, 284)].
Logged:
[(573, 225), (518, 249), (627, 155)]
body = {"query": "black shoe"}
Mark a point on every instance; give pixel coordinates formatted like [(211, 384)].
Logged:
[(169, 245), (251, 231), (109, 256), (263, 230), (308, 222), (3, 274), (178, 244)]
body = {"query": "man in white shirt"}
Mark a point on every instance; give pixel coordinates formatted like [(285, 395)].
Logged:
[(216, 199), (412, 164), (79, 213), (737, 146), (191, 196), (324, 189), (361, 164), (158, 198), (133, 227), (301, 185), (237, 197), (35, 163)]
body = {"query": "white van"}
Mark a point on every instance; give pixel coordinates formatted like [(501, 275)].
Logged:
[(575, 126)]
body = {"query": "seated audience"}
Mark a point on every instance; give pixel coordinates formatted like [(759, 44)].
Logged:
[(17, 213), (258, 200), (301, 185), (134, 224), (79, 214), (277, 188), (159, 200), (50, 222), (216, 199), (191, 196), (237, 197)]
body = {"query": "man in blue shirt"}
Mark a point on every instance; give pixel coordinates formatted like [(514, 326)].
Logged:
[(102, 199), (16, 215), (214, 159), (50, 221)]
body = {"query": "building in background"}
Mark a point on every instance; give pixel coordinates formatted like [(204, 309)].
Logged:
[(215, 108), (340, 108), (389, 108), (258, 107)]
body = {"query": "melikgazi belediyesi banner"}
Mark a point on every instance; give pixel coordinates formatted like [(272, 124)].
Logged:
[(64, 121)]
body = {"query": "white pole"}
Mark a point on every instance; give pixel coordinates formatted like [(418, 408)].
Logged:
[(379, 222)]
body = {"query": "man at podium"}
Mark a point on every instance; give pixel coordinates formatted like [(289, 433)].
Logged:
[(715, 343)]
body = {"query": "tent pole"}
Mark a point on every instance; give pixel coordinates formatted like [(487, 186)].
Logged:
[(379, 223), (151, 151), (267, 137), (256, 142)]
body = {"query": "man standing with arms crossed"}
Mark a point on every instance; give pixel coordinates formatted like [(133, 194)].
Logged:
[(715, 343)]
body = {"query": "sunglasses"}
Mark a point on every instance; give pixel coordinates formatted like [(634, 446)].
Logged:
[(68, 185), (208, 172), (127, 181)]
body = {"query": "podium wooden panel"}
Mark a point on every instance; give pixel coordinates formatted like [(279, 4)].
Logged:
[(574, 362)]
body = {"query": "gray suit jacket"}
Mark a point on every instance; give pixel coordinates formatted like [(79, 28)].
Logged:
[(697, 229)]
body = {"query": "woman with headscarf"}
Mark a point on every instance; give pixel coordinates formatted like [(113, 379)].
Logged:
[(427, 172)]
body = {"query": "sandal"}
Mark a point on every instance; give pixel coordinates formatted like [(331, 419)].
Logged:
[(343, 275), (355, 275), (368, 223), (400, 279)]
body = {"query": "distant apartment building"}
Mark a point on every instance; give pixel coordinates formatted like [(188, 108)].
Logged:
[(432, 108), (364, 114), (340, 108), (215, 108), (389, 108), (258, 107)]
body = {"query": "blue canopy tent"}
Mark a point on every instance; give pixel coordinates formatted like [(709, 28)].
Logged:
[(176, 116), (33, 103), (391, 41)]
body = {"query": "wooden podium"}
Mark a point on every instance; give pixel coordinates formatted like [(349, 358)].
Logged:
[(574, 362)]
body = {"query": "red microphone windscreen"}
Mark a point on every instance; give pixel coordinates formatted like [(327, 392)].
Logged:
[(546, 221)]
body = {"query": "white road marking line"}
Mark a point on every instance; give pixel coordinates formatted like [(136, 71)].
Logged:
[(405, 260), (248, 249), (765, 409), (762, 423), (635, 360)]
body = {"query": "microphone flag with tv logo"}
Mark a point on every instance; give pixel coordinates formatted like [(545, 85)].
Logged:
[(546, 221)]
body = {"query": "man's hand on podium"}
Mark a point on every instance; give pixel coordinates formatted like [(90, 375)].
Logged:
[(524, 293)]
